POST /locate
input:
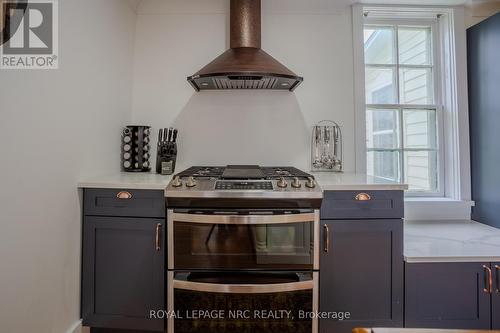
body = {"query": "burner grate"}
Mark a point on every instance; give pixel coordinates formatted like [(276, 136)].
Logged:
[(276, 172), (243, 172), (202, 172)]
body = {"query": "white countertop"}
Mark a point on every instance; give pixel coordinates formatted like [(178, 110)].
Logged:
[(450, 241), (327, 180), (128, 180)]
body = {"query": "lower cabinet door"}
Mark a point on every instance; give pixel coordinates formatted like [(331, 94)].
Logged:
[(123, 272), (361, 273), (495, 297), (447, 295)]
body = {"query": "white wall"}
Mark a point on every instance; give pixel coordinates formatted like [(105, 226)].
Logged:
[(176, 38), (56, 126), (479, 10)]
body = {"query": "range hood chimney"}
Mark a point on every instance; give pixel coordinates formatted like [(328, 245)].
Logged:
[(245, 65)]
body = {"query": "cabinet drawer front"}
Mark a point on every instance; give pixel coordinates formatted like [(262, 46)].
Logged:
[(120, 202), (362, 204)]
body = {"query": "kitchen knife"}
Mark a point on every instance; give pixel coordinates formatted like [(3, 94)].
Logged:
[(174, 136), (165, 135), (160, 136), (170, 133), (166, 143)]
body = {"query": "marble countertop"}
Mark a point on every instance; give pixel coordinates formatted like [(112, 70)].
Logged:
[(450, 241), (327, 180), (128, 180)]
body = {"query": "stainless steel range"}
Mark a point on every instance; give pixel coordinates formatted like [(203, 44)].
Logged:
[(243, 250)]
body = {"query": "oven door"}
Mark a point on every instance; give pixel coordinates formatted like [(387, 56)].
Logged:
[(242, 239), (228, 302)]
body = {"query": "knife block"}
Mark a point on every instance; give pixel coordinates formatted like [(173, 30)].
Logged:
[(166, 158)]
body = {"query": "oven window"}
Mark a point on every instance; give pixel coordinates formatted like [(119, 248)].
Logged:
[(240, 246), (242, 313)]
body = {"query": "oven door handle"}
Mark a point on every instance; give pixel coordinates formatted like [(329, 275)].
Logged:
[(243, 219), (243, 288)]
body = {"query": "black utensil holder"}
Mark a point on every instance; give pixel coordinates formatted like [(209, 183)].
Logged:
[(136, 149), (166, 158)]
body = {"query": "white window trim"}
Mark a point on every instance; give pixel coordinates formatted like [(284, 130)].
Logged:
[(453, 95)]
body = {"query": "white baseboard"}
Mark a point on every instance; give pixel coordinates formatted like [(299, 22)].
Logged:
[(78, 328)]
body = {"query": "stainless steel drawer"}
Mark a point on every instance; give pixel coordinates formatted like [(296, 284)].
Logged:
[(362, 205), (123, 202)]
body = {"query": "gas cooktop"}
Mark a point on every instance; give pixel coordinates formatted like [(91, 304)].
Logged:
[(242, 172), (244, 182)]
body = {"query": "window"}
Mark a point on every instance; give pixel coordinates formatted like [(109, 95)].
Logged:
[(411, 108), (403, 120)]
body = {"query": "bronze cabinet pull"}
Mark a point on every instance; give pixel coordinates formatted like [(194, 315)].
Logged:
[(488, 280), (497, 272), (326, 238), (124, 195), (157, 237), (363, 197)]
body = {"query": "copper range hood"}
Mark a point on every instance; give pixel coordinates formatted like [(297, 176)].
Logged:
[(245, 65)]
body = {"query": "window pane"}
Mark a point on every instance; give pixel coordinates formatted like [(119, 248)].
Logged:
[(419, 129), (421, 170), (379, 45), (415, 86), (380, 86), (382, 129), (383, 164), (414, 46)]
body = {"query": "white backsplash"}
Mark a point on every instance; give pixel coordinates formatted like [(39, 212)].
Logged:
[(257, 127)]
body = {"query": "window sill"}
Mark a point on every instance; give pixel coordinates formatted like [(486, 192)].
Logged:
[(437, 199), (428, 208)]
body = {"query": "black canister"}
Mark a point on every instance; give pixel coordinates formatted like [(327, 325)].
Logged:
[(136, 149)]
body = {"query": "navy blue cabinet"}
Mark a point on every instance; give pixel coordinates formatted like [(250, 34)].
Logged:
[(361, 261), (123, 264), (447, 295), (495, 297), (483, 49), (362, 273)]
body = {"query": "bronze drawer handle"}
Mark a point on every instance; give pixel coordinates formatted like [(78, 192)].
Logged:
[(363, 197), (326, 238), (497, 270), (157, 237), (124, 195), (488, 280)]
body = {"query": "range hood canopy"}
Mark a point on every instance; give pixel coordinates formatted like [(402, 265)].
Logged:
[(245, 65)]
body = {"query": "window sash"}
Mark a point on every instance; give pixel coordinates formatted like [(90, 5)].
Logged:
[(395, 24), (400, 108)]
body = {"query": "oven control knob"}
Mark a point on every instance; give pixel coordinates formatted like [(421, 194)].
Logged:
[(296, 183), (282, 182), (191, 182), (177, 182), (311, 183)]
